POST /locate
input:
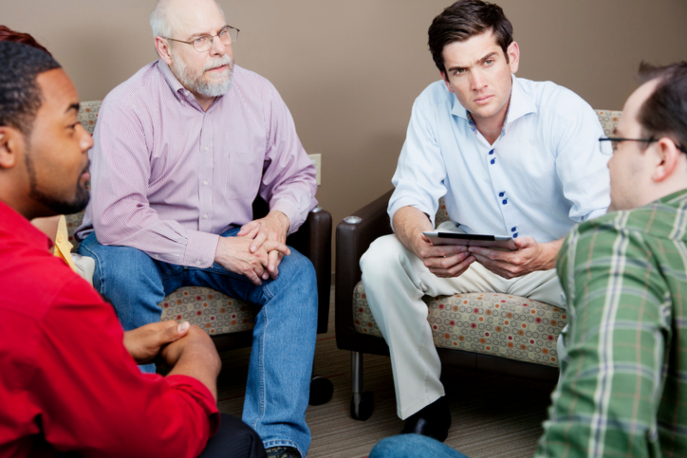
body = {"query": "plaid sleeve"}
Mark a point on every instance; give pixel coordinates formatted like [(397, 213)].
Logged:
[(607, 399)]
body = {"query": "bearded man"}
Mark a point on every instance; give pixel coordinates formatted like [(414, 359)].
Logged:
[(181, 150)]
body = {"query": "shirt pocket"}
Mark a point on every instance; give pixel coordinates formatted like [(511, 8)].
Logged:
[(243, 177)]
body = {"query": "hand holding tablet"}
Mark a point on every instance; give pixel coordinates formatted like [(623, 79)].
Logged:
[(457, 238)]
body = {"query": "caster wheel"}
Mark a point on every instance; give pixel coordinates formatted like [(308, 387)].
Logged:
[(365, 406), (321, 390)]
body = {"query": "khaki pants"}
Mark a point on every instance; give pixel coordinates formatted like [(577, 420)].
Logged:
[(395, 281)]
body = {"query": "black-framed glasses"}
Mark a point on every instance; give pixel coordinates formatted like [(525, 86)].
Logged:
[(227, 36), (615, 140)]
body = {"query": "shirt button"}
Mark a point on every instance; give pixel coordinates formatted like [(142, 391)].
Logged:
[(197, 263), (504, 201), (491, 152), (59, 239), (207, 149), (205, 183), (205, 216), (501, 194), (512, 229), (515, 236), (493, 161)]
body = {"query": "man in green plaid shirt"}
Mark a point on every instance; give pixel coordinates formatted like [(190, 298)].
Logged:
[(623, 385)]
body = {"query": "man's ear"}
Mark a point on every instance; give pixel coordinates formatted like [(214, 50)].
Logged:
[(513, 52), (162, 46), (448, 84), (668, 159), (11, 146)]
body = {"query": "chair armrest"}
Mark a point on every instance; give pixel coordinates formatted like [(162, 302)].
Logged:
[(314, 240), (352, 241)]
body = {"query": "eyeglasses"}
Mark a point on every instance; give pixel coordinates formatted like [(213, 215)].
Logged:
[(227, 36), (615, 140)]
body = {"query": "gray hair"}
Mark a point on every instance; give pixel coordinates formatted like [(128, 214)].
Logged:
[(159, 18)]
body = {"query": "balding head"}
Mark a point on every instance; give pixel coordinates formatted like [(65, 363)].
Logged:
[(167, 16)]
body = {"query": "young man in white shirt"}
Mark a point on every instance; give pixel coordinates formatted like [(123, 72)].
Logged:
[(510, 157)]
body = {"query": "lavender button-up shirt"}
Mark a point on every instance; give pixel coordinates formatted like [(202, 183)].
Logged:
[(168, 177)]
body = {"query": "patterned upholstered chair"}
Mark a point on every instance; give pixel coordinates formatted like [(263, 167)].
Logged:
[(227, 320), (482, 330)]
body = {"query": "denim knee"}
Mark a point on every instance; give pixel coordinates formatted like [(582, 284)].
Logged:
[(413, 446)]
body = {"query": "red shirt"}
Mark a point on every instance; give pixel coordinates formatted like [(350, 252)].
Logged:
[(66, 380)]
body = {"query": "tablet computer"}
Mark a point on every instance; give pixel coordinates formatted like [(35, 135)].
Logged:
[(457, 238)]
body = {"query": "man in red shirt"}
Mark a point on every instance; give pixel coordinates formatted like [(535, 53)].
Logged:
[(69, 380)]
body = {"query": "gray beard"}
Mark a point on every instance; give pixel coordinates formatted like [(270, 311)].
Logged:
[(196, 84)]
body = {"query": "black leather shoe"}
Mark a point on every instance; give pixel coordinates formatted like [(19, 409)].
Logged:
[(434, 421)]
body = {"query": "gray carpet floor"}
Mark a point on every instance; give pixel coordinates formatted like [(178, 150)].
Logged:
[(493, 415)]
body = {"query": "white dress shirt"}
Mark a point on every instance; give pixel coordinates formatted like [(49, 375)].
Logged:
[(544, 173)]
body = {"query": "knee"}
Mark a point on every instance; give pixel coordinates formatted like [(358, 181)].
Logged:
[(381, 258), (392, 447), (298, 268), (235, 437), (117, 262)]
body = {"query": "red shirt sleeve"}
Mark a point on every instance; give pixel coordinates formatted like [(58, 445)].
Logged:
[(93, 398)]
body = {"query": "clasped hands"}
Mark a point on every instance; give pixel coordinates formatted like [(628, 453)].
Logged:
[(164, 338), (257, 249), (448, 261)]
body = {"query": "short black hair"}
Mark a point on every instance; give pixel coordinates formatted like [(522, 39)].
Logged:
[(664, 112), (20, 96), (465, 19)]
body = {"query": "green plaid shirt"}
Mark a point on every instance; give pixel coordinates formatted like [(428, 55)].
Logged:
[(623, 387)]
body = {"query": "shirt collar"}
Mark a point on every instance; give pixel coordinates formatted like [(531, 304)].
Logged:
[(520, 104), (20, 228), (674, 198), (171, 80)]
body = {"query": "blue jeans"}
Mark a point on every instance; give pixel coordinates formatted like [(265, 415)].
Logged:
[(413, 446), (281, 358)]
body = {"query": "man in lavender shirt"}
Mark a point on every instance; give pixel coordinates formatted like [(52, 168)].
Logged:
[(181, 150)]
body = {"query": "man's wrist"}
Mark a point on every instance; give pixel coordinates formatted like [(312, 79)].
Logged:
[(284, 220), (551, 250)]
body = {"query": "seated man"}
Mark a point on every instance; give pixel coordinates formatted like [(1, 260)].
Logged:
[(622, 390), (510, 157), (181, 151), (69, 380), (55, 227)]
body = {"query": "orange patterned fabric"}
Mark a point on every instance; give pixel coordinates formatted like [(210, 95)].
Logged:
[(494, 324)]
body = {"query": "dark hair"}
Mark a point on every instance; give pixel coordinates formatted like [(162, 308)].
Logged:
[(7, 34), (465, 19), (664, 112), (20, 96)]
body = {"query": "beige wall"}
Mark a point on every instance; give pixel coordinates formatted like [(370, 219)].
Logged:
[(350, 71)]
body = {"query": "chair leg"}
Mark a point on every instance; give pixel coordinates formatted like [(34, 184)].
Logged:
[(362, 402)]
